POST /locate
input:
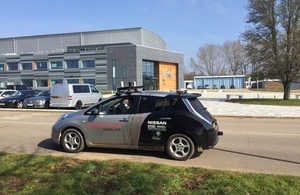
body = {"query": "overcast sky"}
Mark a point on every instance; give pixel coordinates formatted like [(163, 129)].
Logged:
[(185, 25)]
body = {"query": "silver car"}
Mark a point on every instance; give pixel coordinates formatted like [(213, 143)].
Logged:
[(175, 122), (42, 100)]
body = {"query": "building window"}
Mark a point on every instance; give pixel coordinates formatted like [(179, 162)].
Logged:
[(124, 72), (89, 81), (42, 83), (12, 66), (27, 82), (53, 82), (26, 66), (72, 63), (73, 80), (41, 65), (88, 63), (56, 65), (1, 67), (150, 75)]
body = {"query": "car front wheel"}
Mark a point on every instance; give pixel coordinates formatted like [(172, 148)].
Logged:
[(20, 104), (72, 141), (180, 147)]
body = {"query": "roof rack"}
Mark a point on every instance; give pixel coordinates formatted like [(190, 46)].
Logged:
[(129, 90), (182, 92)]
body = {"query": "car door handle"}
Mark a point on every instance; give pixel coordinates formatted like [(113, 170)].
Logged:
[(123, 120)]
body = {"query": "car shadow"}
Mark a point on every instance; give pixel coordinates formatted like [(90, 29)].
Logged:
[(49, 144)]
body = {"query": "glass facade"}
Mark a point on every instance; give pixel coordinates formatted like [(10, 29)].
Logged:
[(26, 66), (56, 65), (73, 80), (72, 63), (150, 75), (42, 83), (1, 67), (90, 81), (41, 65), (88, 63), (27, 82), (54, 81), (12, 66)]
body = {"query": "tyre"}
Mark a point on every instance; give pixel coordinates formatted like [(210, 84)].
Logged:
[(78, 105), (47, 105), (180, 147), (20, 104), (72, 141)]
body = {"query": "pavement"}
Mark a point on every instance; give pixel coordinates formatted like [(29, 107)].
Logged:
[(216, 105)]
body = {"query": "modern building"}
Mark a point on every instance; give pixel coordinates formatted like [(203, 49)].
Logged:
[(227, 80), (103, 58)]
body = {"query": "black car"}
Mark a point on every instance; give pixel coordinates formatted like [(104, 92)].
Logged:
[(16, 99), (42, 100), (175, 122), (232, 87), (222, 87)]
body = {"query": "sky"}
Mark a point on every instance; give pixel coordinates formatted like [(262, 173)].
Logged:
[(185, 25)]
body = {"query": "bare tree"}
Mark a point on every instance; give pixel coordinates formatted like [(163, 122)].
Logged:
[(235, 57), (210, 60), (273, 39)]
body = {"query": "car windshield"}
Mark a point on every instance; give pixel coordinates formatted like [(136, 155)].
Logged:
[(18, 93), (44, 93)]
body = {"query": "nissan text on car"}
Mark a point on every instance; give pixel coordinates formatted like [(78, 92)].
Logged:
[(172, 122)]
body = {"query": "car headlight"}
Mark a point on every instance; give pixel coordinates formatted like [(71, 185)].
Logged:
[(67, 115)]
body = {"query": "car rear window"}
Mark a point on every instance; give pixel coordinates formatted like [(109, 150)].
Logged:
[(196, 104)]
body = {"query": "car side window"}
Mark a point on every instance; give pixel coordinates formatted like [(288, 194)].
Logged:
[(94, 90), (151, 104)]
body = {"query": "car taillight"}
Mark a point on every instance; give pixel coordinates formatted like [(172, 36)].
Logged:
[(69, 97)]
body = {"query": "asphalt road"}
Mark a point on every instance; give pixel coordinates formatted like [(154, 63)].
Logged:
[(248, 145)]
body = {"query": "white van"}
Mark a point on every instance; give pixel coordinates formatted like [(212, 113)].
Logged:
[(74, 95)]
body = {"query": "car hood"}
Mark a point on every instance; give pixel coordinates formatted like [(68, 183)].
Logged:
[(12, 98), (38, 98)]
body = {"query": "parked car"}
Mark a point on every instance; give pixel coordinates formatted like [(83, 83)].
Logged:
[(74, 95), (6, 93), (200, 87), (222, 87), (17, 87), (232, 87), (206, 87), (175, 122), (42, 100), (215, 87), (17, 98)]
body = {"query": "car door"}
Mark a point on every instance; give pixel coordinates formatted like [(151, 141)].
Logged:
[(111, 127)]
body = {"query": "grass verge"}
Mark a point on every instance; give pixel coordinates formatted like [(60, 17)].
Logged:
[(276, 102), (32, 174)]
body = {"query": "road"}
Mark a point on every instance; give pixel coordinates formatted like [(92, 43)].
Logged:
[(256, 145)]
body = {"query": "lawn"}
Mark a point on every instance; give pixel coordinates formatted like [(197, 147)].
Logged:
[(33, 174), (277, 102)]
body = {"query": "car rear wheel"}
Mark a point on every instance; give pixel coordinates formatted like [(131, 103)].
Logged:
[(72, 141), (78, 105), (180, 147)]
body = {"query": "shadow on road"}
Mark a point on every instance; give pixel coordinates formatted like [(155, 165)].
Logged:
[(257, 156), (50, 145)]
